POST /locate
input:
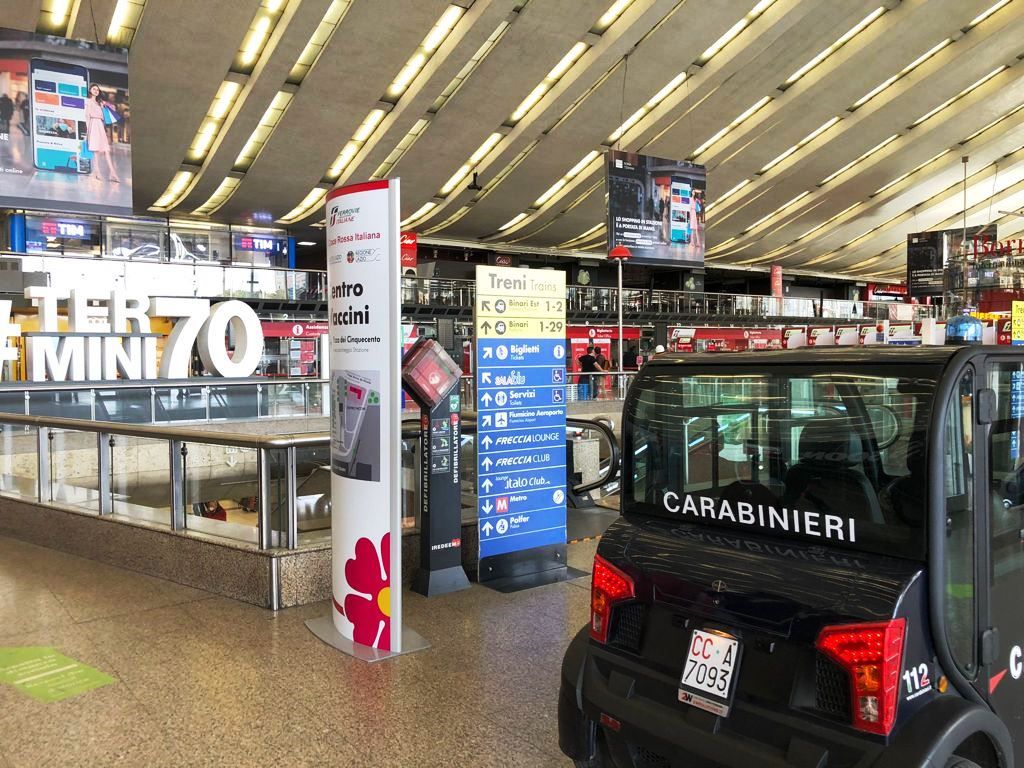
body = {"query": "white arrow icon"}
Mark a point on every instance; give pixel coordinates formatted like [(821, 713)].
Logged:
[(487, 462), (488, 353), (485, 377), (487, 508), (487, 420), (487, 528), (487, 485), (485, 398), (487, 441)]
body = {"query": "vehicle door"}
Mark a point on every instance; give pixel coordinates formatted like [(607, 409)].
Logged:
[(1004, 582)]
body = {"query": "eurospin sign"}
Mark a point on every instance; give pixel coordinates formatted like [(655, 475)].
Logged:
[(93, 349)]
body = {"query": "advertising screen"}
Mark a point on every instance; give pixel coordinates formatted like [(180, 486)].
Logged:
[(928, 253), (65, 139), (656, 208)]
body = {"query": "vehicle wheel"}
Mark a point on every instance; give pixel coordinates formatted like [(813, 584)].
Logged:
[(960, 762)]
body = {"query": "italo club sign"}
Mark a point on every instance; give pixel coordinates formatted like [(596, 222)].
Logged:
[(110, 336)]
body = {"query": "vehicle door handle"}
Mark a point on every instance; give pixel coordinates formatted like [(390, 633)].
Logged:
[(989, 646)]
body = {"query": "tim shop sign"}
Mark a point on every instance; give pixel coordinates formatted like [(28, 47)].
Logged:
[(110, 336)]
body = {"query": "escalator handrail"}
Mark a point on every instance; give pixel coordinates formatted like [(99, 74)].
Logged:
[(411, 431)]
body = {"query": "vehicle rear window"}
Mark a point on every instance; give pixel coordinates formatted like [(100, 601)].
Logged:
[(833, 456)]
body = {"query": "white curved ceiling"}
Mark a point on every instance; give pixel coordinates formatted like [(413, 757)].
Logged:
[(835, 127)]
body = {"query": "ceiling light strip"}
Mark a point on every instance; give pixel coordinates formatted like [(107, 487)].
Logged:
[(318, 41), (964, 92), (433, 40), (800, 144), (56, 17), (901, 74), (124, 21), (733, 32), (311, 201), (736, 122), (843, 40), (909, 173), (610, 16), (877, 148), (220, 195), (985, 14), (262, 27)]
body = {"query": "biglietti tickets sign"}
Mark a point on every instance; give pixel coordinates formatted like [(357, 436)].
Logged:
[(110, 336)]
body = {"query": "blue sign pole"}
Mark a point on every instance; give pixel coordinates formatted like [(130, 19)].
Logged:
[(521, 456)]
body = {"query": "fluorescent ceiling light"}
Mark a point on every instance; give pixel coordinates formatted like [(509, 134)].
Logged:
[(420, 212), (666, 90), (843, 40), (993, 124), (985, 14), (124, 22), (800, 144), (261, 133), (910, 173), (318, 40), (748, 112), (630, 121), (863, 157), (174, 192), (433, 40), (549, 81), (959, 96), (905, 71), (309, 202), (212, 124), (220, 196), (727, 195), (776, 212), (733, 32), (609, 17), (825, 223), (512, 222), (368, 125), (305, 242), (476, 157)]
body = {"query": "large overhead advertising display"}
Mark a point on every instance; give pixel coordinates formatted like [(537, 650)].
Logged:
[(65, 125), (928, 253), (656, 208)]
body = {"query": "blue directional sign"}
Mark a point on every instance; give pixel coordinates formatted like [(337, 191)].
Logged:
[(520, 377)]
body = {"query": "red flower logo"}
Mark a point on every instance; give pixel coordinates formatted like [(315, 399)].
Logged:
[(369, 574)]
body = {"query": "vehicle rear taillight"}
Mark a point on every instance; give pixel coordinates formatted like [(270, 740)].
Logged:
[(610, 586), (872, 655)]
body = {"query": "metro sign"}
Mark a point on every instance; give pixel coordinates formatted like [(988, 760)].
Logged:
[(501, 505), (111, 336)]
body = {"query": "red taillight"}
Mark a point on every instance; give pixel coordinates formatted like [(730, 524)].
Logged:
[(610, 586), (872, 655)]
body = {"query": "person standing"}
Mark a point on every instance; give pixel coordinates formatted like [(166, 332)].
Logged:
[(588, 367), (602, 365), (96, 133), (6, 113)]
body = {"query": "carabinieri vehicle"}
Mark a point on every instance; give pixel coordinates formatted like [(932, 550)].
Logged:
[(819, 563)]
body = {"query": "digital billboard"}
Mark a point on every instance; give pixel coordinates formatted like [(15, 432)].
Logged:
[(928, 253), (65, 125), (656, 208)]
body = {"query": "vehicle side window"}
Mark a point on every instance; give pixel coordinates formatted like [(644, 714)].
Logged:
[(1006, 474), (958, 482)]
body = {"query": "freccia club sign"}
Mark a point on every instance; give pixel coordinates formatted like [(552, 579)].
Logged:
[(110, 336)]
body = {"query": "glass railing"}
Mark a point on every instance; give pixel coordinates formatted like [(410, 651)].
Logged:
[(270, 492), (446, 293), (178, 401), (175, 278)]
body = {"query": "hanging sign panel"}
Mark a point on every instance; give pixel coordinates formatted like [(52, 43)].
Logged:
[(521, 377)]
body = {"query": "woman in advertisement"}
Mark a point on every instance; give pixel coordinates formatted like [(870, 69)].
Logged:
[(96, 133)]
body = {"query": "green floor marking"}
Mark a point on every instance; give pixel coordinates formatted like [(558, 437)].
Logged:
[(46, 675)]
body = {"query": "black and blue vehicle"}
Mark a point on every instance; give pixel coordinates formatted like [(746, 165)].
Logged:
[(819, 563)]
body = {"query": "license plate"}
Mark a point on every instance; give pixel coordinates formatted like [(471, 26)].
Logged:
[(709, 672)]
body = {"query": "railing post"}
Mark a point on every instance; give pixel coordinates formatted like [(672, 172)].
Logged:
[(43, 463), (264, 517), (176, 453), (206, 400), (292, 530), (104, 447)]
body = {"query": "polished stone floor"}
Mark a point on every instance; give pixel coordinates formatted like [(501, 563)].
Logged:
[(205, 681)]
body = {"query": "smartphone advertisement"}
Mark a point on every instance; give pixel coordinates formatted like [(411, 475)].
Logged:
[(656, 208), (65, 137)]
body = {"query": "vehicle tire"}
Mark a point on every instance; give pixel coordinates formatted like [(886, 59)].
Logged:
[(960, 762)]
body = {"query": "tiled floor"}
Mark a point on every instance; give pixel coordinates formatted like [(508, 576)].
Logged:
[(205, 681)]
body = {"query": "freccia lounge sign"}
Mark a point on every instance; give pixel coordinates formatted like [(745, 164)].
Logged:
[(110, 336)]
